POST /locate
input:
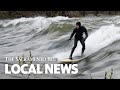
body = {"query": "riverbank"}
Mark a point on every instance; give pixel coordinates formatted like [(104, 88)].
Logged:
[(18, 14)]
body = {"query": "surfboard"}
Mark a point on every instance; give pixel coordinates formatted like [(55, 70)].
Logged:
[(69, 61), (74, 60)]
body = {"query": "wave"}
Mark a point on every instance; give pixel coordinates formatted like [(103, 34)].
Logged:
[(36, 22)]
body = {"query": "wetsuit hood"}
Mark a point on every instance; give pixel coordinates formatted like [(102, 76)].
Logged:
[(78, 23)]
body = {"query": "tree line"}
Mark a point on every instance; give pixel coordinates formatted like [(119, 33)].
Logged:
[(18, 14)]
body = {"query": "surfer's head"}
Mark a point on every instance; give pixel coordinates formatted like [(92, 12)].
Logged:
[(78, 24)]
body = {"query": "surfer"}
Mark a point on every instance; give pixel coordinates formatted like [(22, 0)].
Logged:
[(78, 31)]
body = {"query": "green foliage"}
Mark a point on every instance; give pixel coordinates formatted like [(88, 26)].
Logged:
[(109, 75)]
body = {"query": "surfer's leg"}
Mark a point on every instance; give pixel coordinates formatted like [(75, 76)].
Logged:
[(83, 45), (73, 49)]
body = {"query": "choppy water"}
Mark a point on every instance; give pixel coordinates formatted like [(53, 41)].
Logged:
[(47, 37)]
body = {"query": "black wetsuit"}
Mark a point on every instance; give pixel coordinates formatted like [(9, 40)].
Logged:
[(79, 37)]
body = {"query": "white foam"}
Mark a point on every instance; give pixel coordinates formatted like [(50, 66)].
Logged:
[(16, 21)]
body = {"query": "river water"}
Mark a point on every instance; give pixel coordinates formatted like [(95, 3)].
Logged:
[(47, 37)]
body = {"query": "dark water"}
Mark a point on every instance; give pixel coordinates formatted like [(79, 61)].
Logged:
[(47, 37)]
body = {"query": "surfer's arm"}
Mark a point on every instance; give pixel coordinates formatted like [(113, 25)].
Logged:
[(72, 34)]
